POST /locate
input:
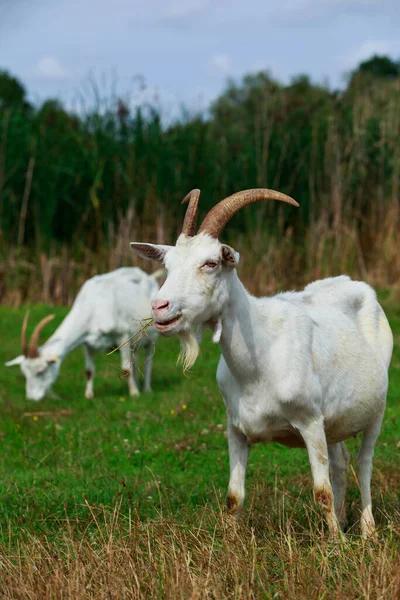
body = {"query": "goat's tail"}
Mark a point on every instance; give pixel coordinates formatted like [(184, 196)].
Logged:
[(385, 338), (374, 324)]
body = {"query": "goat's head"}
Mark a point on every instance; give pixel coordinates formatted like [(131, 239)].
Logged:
[(39, 368), (199, 268)]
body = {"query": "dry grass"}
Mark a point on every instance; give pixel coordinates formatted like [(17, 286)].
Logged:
[(274, 551), (268, 262)]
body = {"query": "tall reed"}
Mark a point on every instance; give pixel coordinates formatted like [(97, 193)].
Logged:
[(74, 190)]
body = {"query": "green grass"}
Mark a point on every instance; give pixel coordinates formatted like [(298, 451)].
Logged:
[(160, 456), (173, 438)]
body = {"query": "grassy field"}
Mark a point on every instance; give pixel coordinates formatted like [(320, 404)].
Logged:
[(121, 497)]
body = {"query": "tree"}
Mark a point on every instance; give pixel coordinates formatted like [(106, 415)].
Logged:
[(380, 66), (12, 92), (376, 67)]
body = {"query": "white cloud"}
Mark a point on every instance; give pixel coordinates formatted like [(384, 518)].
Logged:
[(50, 67), (220, 64)]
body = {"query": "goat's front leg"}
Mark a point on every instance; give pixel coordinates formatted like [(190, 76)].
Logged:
[(128, 367), (238, 456), (148, 365), (89, 366), (313, 434)]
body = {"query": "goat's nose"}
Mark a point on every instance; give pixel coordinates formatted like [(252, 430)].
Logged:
[(157, 305)]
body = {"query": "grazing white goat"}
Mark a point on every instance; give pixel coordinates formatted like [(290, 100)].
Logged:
[(108, 310), (306, 369)]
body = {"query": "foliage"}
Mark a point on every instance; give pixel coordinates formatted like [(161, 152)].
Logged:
[(75, 188), (328, 150), (123, 497), (12, 92), (380, 66)]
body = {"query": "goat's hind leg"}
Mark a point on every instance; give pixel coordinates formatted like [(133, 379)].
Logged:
[(129, 368), (339, 460), (364, 474)]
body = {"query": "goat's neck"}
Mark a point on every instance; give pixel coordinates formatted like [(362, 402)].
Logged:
[(70, 334), (240, 325)]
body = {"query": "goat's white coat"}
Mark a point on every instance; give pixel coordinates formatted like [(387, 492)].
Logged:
[(303, 368), (107, 311)]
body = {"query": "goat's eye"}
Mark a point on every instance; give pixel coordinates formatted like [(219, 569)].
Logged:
[(210, 264)]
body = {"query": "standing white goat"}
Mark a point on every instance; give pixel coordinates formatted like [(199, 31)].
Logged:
[(108, 310), (302, 369)]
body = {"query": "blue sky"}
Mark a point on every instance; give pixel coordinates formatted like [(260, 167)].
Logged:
[(186, 49)]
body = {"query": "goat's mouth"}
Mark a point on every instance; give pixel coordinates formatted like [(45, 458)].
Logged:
[(167, 325)]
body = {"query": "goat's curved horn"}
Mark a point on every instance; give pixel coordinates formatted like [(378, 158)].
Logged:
[(23, 334), (34, 343), (222, 212), (189, 224)]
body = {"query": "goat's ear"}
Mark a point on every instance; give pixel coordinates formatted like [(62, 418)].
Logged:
[(230, 258), (155, 252), (15, 361)]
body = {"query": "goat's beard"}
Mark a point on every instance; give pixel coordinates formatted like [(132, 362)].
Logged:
[(189, 350)]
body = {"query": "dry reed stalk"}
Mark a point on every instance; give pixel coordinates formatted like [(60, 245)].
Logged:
[(270, 261), (25, 200)]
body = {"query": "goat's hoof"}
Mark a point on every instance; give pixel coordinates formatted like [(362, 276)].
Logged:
[(368, 533), (367, 524), (324, 498), (89, 395), (233, 503), (338, 536), (133, 393)]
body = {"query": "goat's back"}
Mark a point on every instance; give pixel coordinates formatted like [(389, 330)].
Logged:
[(358, 301), (119, 300)]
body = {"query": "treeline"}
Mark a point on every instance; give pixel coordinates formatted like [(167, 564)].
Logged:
[(74, 187)]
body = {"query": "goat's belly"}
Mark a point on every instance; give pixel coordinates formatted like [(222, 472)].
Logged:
[(101, 341), (343, 424), (262, 427), (339, 429), (287, 437), (291, 439)]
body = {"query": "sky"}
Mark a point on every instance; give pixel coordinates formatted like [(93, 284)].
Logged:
[(183, 51)]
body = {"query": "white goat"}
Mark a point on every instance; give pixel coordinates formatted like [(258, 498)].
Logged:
[(107, 311), (306, 369)]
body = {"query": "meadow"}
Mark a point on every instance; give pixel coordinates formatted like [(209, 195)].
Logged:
[(121, 497)]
